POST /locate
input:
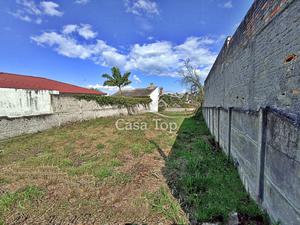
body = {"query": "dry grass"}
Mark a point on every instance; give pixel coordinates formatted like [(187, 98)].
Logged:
[(88, 173)]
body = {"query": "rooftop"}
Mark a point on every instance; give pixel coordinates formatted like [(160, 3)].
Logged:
[(9, 80)]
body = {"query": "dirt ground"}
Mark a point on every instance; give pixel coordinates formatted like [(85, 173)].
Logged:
[(89, 173)]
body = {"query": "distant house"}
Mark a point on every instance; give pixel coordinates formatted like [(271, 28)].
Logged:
[(28, 95), (152, 91)]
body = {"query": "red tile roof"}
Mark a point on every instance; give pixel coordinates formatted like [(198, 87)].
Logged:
[(8, 80)]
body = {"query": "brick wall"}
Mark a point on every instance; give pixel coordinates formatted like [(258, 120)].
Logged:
[(260, 64)]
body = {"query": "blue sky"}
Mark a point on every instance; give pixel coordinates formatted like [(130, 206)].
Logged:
[(76, 41)]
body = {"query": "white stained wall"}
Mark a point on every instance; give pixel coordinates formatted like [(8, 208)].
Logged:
[(155, 99), (22, 102)]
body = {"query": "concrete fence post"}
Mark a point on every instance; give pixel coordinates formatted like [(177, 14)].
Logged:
[(229, 131), (262, 136), (213, 122), (208, 118), (211, 118), (219, 109)]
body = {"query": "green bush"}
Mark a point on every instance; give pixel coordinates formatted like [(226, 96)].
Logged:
[(120, 101)]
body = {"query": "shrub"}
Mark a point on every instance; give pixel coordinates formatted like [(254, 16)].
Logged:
[(120, 101)]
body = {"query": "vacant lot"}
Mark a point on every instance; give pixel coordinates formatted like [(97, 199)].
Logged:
[(92, 173)]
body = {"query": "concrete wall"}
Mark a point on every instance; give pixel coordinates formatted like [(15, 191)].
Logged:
[(64, 109), (265, 147), (155, 98), (282, 169), (20, 102), (259, 67)]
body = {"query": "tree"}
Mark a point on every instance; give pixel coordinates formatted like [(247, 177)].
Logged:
[(116, 79), (191, 79)]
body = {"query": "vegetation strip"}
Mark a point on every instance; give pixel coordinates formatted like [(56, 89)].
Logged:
[(120, 101), (207, 184)]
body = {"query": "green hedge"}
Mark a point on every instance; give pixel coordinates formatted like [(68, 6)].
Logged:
[(117, 100)]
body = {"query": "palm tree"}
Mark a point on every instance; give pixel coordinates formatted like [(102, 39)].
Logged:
[(116, 79)]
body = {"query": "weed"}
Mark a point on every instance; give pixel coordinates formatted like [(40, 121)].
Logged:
[(19, 198), (100, 146), (115, 163), (149, 148), (122, 178), (103, 173), (66, 162), (136, 149), (162, 202), (4, 180)]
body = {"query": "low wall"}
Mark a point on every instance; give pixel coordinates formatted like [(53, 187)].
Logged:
[(64, 109), (179, 109), (265, 146)]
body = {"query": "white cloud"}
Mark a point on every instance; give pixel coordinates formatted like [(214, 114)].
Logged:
[(162, 58), (38, 21), (21, 16), (112, 57), (109, 89), (141, 7), (30, 11), (228, 5), (64, 45), (137, 79), (154, 58), (84, 30), (29, 6), (165, 58), (82, 2), (196, 49), (70, 28), (51, 8)]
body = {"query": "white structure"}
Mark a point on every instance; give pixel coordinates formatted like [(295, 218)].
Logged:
[(155, 98), (152, 91), (22, 102)]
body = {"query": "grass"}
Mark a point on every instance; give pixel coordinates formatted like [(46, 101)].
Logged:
[(138, 149), (100, 146), (205, 180), (84, 167), (116, 175), (20, 198), (163, 202)]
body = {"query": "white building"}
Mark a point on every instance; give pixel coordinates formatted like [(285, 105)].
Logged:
[(152, 91)]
